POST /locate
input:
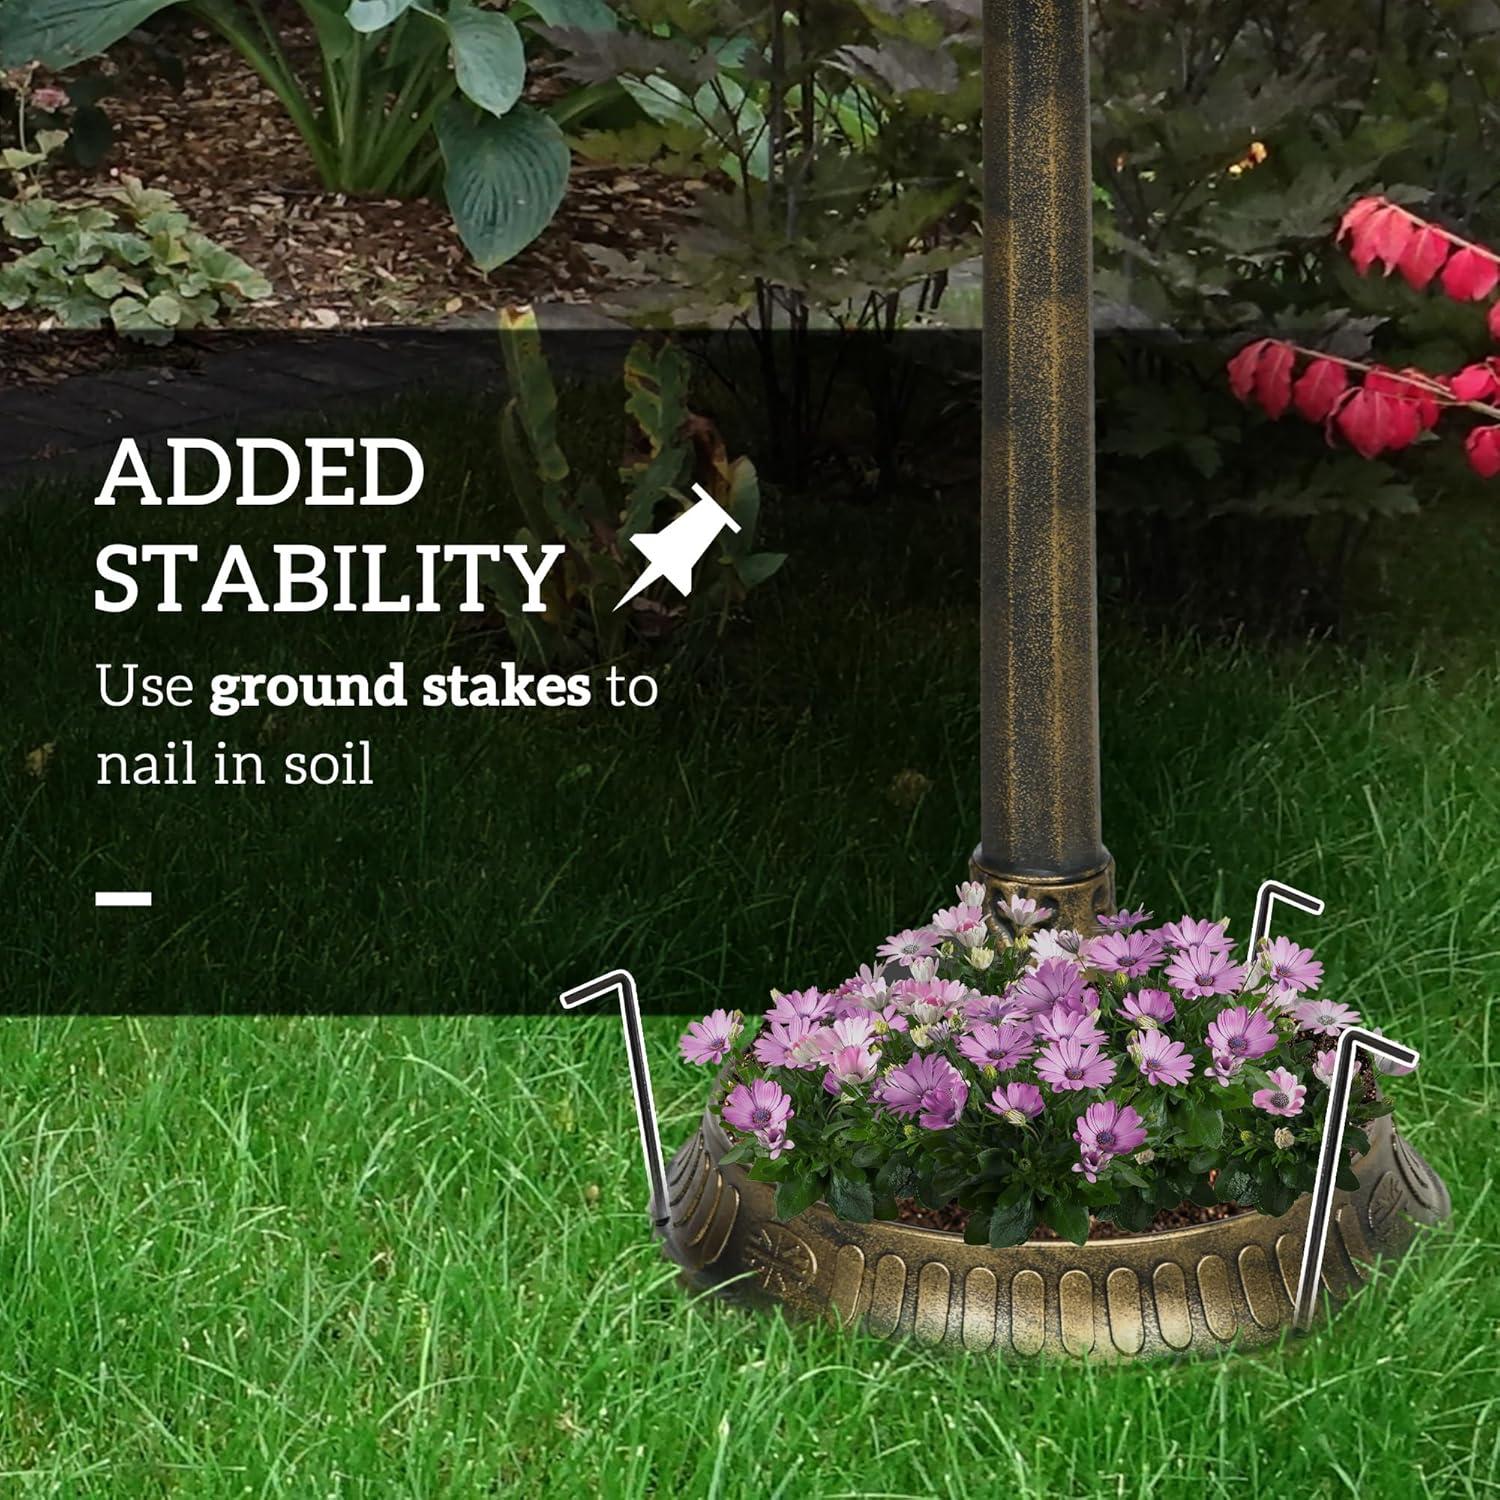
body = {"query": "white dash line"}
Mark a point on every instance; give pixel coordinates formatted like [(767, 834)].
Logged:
[(122, 898)]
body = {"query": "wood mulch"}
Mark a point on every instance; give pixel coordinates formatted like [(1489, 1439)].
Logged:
[(225, 147)]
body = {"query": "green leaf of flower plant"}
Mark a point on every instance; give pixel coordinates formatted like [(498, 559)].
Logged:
[(1069, 1218), (1012, 1223), (850, 1198), (796, 1194)]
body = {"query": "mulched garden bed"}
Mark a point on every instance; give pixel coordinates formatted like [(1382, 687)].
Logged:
[(225, 147)]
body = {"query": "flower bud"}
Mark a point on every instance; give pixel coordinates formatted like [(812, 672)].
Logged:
[(1283, 1139), (981, 958), (1247, 1137), (1145, 1156)]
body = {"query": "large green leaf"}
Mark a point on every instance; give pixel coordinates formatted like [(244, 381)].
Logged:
[(58, 33), (1070, 1219), (373, 15), (336, 36), (1011, 1223), (489, 57), (577, 15), (505, 178), (850, 1198)]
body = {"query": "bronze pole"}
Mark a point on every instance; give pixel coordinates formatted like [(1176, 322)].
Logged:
[(1039, 709)]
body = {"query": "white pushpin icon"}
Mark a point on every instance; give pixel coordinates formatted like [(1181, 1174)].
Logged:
[(674, 551)]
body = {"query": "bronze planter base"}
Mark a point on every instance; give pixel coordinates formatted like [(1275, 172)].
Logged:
[(1186, 1290)]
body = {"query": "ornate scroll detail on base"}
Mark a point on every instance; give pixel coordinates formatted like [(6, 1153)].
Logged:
[(1188, 1290), (1078, 902)]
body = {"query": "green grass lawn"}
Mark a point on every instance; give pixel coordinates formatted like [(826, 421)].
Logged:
[(407, 1256)]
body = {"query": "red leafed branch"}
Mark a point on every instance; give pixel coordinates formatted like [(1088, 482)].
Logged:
[(1377, 230), (1374, 409)]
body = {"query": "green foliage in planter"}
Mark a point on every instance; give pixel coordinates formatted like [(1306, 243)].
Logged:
[(671, 449), (1050, 1079), (408, 94), (139, 266)]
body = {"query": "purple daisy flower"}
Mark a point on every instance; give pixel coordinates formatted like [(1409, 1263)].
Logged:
[(964, 924), (1110, 1129), (1241, 1033), (1284, 1097), (849, 1067), (800, 1005), (1289, 967), (709, 1040), (942, 1106), (775, 1140), (929, 1087), (927, 999), (1149, 1008), (1324, 1017), (914, 942), (1022, 912), (847, 1031), (1130, 953), (970, 893), (1123, 921), (993, 1010), (1016, 1103), (1052, 980), (867, 988), (775, 1046), (761, 1105), (1065, 1021), (1000, 1047), (1090, 1163), (1223, 1069), (1323, 1064), (1056, 942), (1161, 1060), (1071, 1064), (1191, 933), (1200, 972)]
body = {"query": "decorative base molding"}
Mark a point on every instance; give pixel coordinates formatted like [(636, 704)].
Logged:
[(1191, 1290), (1078, 901)]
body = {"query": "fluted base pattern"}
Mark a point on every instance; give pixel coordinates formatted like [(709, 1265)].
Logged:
[(1197, 1289)]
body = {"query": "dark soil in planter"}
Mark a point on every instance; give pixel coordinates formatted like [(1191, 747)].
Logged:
[(1184, 1216)]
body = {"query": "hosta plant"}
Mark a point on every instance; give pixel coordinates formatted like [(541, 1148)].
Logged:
[(1047, 1079), (127, 257), (407, 95)]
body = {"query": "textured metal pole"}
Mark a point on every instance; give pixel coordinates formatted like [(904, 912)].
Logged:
[(1039, 714)]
